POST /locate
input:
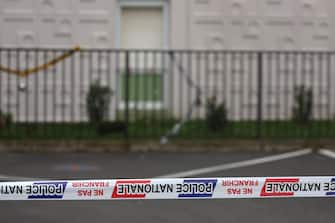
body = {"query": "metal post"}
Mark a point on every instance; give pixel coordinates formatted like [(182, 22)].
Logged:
[(260, 94), (127, 96)]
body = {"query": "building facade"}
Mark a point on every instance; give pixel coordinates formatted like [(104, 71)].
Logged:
[(175, 24), (59, 92)]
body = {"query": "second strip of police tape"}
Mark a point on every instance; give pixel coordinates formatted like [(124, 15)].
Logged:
[(181, 188)]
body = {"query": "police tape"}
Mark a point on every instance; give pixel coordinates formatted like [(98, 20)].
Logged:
[(181, 188), (24, 73)]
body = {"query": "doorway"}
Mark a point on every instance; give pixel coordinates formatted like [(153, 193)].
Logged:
[(143, 26)]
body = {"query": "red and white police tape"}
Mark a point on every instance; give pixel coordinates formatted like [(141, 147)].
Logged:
[(181, 188)]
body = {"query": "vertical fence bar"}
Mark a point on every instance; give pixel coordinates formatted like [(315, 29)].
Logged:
[(311, 84), (277, 105), (109, 82), (285, 90), (304, 133), (163, 116), (152, 97), (329, 90), (118, 78), (233, 91), (73, 87), (2, 94), (207, 75), (146, 84), (180, 63), (249, 96), (241, 86), (27, 101), (62, 92), (44, 93), (138, 86), (36, 90), (298, 66), (1, 87), (320, 94), (198, 80), (9, 90), (260, 95), (81, 93), (171, 85), (325, 118), (17, 91), (127, 74), (225, 82), (54, 87)]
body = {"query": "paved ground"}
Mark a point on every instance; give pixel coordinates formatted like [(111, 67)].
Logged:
[(149, 165)]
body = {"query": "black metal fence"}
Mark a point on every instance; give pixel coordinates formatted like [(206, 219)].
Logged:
[(94, 94)]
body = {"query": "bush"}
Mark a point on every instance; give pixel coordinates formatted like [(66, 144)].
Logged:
[(98, 99), (6, 120), (105, 128), (303, 104), (216, 115)]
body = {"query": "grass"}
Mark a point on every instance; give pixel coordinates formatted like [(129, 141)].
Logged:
[(267, 129), (154, 129)]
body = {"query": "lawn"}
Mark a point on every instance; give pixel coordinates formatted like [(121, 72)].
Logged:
[(154, 129)]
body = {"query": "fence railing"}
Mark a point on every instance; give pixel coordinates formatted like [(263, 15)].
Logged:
[(80, 94)]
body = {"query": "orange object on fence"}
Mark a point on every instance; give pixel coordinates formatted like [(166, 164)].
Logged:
[(24, 73)]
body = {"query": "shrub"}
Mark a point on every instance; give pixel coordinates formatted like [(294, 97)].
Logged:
[(303, 104), (216, 115), (105, 128), (2, 120), (6, 120), (98, 99)]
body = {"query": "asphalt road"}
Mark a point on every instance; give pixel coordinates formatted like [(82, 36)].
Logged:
[(75, 166)]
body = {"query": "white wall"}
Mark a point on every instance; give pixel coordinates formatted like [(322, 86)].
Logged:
[(56, 23), (263, 24), (199, 24)]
